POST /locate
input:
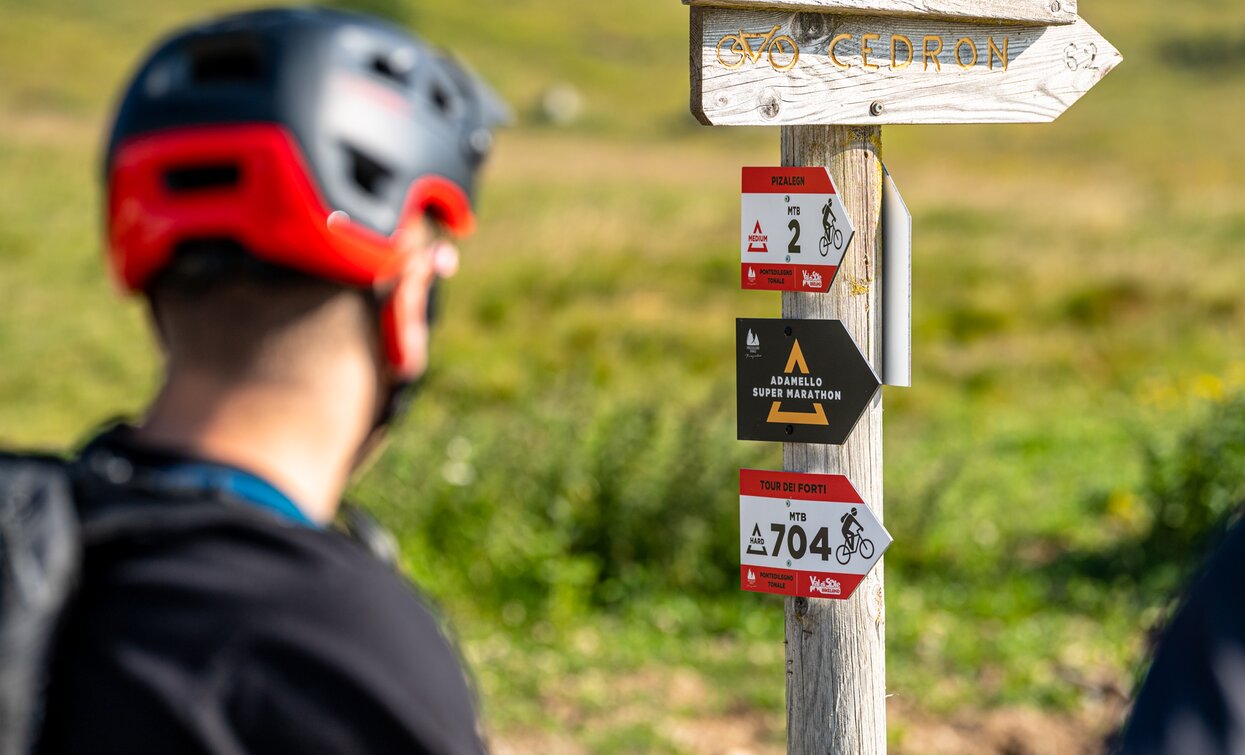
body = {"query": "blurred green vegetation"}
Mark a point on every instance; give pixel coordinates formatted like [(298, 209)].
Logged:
[(565, 486)]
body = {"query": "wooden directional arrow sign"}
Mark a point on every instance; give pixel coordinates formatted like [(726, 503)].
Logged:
[(775, 67), (1041, 12), (800, 381)]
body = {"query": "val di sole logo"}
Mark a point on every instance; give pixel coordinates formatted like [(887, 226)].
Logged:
[(825, 586), (812, 279)]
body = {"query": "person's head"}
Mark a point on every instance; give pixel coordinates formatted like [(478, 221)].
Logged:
[(853, 511), (278, 187)]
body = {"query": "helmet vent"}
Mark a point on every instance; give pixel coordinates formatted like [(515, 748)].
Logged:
[(385, 67), (368, 174), (190, 178), (441, 100), (231, 58), (444, 94)]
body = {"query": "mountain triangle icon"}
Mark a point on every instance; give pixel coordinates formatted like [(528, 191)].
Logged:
[(756, 543)]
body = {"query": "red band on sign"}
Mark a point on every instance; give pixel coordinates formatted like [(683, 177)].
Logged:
[(764, 579), (835, 586), (787, 181), (766, 277), (805, 487), (803, 584)]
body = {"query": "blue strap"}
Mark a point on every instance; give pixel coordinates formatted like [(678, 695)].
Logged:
[(237, 483)]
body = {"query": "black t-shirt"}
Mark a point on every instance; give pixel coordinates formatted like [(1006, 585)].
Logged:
[(227, 628)]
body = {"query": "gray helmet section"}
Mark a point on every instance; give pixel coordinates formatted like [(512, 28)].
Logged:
[(372, 107)]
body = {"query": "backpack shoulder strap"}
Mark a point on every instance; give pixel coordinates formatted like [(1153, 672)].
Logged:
[(39, 555)]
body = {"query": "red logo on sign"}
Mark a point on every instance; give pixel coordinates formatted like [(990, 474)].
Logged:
[(825, 586), (757, 240)]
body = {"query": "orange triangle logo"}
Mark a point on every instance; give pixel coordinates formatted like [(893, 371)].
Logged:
[(776, 415)]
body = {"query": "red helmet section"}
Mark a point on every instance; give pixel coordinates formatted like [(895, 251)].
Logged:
[(250, 183)]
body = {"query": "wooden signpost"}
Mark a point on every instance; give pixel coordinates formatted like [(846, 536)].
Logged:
[(1041, 12), (782, 68), (831, 72)]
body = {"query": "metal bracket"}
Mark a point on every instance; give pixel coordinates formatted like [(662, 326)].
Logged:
[(896, 273)]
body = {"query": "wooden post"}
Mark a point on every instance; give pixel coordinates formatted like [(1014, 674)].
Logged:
[(836, 650)]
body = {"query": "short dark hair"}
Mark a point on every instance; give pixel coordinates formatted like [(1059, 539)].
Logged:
[(218, 308)]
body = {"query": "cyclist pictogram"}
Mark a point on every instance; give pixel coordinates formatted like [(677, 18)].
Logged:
[(853, 539), (831, 235), (777, 46)]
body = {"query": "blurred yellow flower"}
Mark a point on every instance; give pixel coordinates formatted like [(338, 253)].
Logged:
[(1209, 387)]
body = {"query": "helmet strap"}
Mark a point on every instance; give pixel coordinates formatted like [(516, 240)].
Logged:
[(395, 404), (401, 391)]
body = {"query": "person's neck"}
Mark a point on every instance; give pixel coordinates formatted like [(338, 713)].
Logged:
[(303, 439)]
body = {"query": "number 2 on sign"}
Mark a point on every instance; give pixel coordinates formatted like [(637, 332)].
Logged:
[(797, 541), (794, 246)]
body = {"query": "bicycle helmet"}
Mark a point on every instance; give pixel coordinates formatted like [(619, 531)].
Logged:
[(308, 137)]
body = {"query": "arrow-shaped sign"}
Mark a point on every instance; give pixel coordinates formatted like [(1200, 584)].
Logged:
[(793, 230), (1043, 12), (766, 67), (799, 381), (808, 535)]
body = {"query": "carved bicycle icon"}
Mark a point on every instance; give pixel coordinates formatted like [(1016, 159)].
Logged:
[(831, 235), (774, 44)]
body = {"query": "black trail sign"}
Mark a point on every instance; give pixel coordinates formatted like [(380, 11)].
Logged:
[(799, 381)]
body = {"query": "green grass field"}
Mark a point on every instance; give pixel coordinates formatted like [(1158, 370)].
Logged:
[(565, 488)]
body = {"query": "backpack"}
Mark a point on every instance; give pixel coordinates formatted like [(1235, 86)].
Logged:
[(42, 534), (40, 551)]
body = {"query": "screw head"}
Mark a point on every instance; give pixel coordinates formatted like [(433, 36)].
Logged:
[(787, 331), (788, 562), (876, 108), (790, 429), (788, 503)]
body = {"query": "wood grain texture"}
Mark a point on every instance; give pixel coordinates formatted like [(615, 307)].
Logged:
[(1006, 11), (836, 650), (957, 72)]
